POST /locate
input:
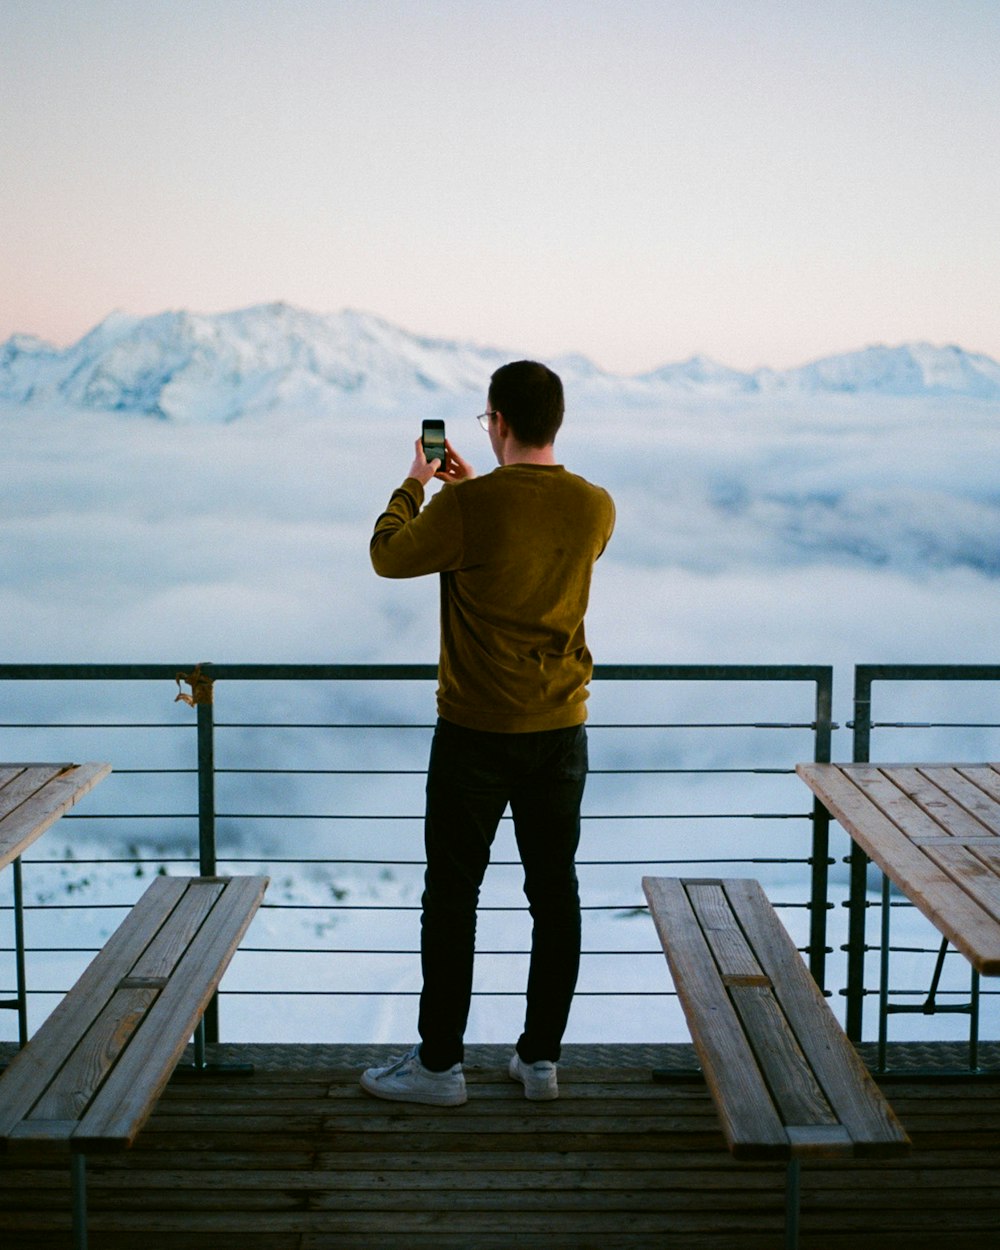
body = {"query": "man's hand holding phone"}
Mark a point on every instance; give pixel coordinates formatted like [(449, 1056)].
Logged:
[(457, 470)]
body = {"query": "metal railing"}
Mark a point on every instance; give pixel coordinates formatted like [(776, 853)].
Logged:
[(298, 769), (922, 687)]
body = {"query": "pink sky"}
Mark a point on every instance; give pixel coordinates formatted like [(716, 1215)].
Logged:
[(762, 183)]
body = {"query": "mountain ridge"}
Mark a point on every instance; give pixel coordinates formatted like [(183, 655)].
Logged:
[(216, 367)]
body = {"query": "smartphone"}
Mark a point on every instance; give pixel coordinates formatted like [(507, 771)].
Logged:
[(432, 438)]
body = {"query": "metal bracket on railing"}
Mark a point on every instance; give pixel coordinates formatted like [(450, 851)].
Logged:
[(201, 687)]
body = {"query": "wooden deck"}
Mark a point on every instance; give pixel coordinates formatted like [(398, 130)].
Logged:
[(297, 1157)]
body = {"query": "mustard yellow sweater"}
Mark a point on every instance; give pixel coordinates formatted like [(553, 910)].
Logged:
[(515, 550)]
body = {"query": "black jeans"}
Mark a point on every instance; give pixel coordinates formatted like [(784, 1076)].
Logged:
[(471, 778)]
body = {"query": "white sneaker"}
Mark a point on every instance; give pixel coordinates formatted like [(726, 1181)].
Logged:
[(407, 1080), (538, 1079)]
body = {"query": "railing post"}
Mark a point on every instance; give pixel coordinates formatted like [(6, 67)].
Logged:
[(819, 889), (206, 790), (858, 897), (205, 708)]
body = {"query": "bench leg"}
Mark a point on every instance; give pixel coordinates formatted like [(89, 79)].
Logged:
[(78, 1176), (201, 1063), (20, 1000), (792, 1199)]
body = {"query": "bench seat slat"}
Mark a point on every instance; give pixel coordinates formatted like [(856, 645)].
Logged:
[(81, 1076), (128, 1096), (31, 1070), (161, 956), (37, 1131), (848, 1086), (751, 1125), (794, 1088), (733, 954)]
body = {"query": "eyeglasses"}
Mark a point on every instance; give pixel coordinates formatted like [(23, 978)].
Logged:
[(484, 419)]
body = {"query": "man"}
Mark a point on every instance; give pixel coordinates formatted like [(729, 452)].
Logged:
[(515, 550)]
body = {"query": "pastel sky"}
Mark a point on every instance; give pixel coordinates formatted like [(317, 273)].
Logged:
[(762, 181)]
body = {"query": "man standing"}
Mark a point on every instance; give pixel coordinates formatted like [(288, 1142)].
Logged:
[(514, 550)]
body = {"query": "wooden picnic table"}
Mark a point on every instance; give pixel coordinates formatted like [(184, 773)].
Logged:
[(32, 798), (934, 830)]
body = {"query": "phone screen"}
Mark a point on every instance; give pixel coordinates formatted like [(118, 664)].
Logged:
[(432, 437)]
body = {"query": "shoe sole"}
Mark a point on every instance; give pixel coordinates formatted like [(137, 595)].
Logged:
[(426, 1099), (540, 1095)]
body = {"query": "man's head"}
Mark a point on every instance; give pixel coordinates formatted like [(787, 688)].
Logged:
[(530, 398)]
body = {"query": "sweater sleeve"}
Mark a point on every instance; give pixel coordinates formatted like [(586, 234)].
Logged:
[(410, 542)]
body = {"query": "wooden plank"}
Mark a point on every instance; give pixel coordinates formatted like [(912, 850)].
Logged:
[(733, 955), (750, 1122), (76, 1082), (982, 807), (977, 874), (165, 951), (56, 1131), (845, 1081), (946, 906), (796, 1095), (127, 1097), (931, 790), (21, 782), (985, 776), (799, 1098), (887, 789), (38, 811)]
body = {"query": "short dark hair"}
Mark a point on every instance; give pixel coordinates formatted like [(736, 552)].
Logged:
[(530, 397)]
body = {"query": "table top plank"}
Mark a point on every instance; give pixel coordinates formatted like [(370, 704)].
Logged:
[(982, 805), (959, 895), (985, 776), (21, 781), (974, 872), (35, 799), (962, 810), (892, 800)]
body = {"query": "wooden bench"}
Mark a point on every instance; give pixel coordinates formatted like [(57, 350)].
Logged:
[(786, 1082), (90, 1077)]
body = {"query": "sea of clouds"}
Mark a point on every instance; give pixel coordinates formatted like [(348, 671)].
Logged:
[(834, 529)]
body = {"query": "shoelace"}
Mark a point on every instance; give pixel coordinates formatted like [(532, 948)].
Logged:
[(395, 1065)]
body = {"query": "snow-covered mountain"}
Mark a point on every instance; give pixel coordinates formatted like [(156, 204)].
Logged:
[(217, 367)]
